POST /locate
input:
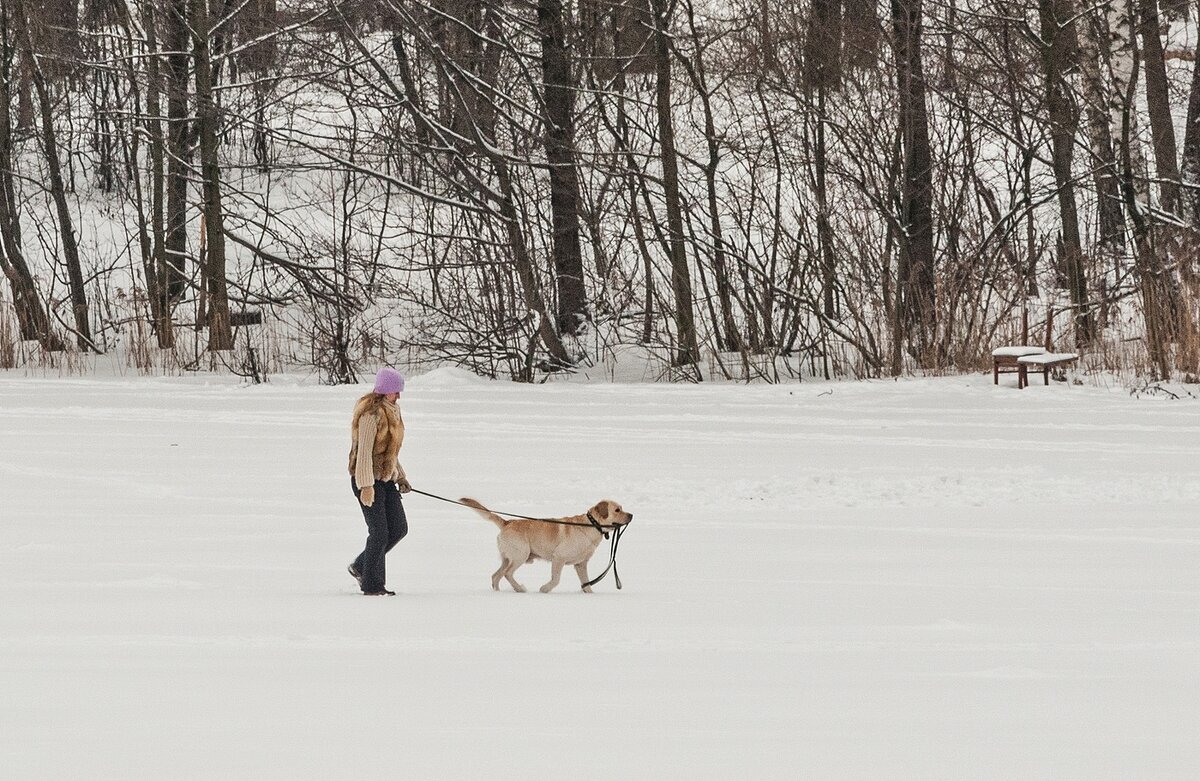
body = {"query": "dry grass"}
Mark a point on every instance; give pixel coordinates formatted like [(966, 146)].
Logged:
[(285, 342), (8, 335)]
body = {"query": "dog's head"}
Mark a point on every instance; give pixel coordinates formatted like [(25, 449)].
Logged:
[(610, 513)]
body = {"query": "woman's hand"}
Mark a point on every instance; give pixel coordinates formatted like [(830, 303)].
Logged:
[(404, 485), (367, 496)]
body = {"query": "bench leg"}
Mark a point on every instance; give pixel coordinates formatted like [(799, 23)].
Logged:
[(1046, 376), (1022, 376), (995, 372)]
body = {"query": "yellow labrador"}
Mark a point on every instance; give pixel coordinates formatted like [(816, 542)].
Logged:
[(571, 540)]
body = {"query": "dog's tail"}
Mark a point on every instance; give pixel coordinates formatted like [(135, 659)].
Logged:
[(485, 512)]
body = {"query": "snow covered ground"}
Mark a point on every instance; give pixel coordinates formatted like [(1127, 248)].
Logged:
[(924, 579)]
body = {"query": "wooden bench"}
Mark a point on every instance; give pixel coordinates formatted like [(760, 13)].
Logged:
[(1041, 362), (1004, 361)]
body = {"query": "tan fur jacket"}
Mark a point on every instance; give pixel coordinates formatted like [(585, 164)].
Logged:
[(376, 434)]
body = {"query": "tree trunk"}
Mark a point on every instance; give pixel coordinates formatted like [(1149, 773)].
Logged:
[(149, 225), (822, 50), (259, 19), (861, 33), (157, 270), (1122, 74), (58, 190), (1110, 216), (633, 180), (725, 327), (32, 318), (524, 266), (1057, 48), (175, 44), (824, 229), (1157, 285), (56, 37), (916, 282), (482, 142), (1190, 167), (1158, 104), (220, 334), (687, 349), (559, 101), (258, 59)]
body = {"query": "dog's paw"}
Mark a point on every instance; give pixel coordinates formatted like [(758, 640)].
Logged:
[(587, 589), (546, 589), (517, 587)]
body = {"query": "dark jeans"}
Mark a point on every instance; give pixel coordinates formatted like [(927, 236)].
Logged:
[(386, 526)]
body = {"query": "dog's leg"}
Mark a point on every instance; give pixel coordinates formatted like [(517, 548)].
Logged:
[(507, 568), (504, 564), (581, 571), (514, 552), (512, 568), (555, 572)]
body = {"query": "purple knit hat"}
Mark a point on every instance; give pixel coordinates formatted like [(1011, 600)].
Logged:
[(388, 380)]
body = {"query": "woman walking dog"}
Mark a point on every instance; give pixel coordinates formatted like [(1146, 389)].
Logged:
[(376, 434)]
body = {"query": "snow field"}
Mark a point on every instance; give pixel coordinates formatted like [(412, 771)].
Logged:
[(878, 580)]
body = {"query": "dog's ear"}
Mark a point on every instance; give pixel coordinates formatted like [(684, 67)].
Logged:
[(601, 509)]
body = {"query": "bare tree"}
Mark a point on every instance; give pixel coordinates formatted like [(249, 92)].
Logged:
[(57, 185), (1157, 285), (220, 333), (32, 319), (558, 97), (687, 350), (916, 306), (176, 44), (475, 98), (1109, 215), (1058, 47), (1190, 165), (1158, 104), (158, 270), (475, 180)]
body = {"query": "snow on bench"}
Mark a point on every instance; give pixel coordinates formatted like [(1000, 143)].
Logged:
[(1004, 361), (1016, 351), (1024, 359), (1048, 359)]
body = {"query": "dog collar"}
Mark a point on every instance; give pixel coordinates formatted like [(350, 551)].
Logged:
[(596, 523)]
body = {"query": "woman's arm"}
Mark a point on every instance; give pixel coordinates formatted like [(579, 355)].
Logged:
[(364, 464)]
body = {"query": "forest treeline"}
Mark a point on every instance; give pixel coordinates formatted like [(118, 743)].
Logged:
[(839, 187)]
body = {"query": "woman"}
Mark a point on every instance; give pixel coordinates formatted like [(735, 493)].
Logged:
[(376, 433)]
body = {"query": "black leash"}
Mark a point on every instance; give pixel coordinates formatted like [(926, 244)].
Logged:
[(617, 528), (612, 560)]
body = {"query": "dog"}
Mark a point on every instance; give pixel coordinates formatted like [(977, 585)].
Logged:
[(522, 541)]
